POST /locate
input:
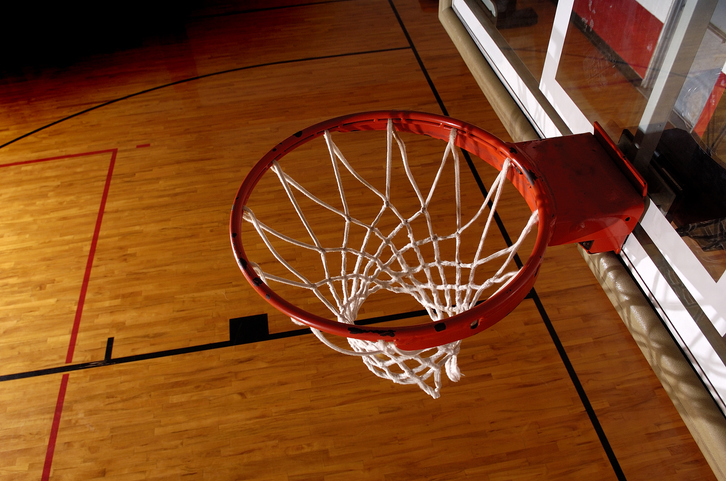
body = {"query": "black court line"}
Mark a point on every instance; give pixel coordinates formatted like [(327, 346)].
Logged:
[(200, 77), (421, 65), (242, 330), (265, 9), (533, 294), (580, 390)]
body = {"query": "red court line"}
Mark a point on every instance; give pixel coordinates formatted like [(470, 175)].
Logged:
[(81, 299), (54, 428), (89, 262), (69, 156)]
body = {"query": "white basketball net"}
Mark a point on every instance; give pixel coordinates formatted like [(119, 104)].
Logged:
[(379, 264)]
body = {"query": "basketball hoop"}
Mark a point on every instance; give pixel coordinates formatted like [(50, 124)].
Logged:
[(451, 290)]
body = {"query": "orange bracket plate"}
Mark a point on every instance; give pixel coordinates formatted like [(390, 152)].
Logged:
[(599, 197)]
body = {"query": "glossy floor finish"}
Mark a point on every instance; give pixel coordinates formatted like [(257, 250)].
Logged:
[(119, 165)]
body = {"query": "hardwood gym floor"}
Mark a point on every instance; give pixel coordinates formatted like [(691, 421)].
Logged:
[(119, 163)]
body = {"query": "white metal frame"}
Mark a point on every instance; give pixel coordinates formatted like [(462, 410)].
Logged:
[(509, 70), (563, 103)]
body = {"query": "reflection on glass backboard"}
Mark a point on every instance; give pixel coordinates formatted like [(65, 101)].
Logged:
[(526, 25), (616, 52)]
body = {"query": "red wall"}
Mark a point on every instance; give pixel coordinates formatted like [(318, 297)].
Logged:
[(626, 26), (710, 108)]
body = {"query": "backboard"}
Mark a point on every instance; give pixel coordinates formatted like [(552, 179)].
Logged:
[(652, 74)]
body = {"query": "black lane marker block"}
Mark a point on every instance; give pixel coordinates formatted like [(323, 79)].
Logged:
[(248, 329)]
